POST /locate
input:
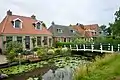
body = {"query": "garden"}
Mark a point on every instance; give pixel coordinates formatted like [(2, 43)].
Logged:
[(24, 64), (46, 63)]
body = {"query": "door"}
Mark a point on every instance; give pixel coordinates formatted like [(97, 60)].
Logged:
[(64, 39), (27, 42)]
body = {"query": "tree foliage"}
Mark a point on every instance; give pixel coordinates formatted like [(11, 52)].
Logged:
[(106, 30), (103, 27), (115, 27)]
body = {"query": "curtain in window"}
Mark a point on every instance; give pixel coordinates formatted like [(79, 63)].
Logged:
[(17, 24)]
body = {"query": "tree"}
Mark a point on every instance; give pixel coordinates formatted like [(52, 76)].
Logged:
[(103, 27), (106, 30), (115, 27)]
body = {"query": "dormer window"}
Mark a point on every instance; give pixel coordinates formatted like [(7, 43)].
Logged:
[(59, 30), (38, 25), (17, 23)]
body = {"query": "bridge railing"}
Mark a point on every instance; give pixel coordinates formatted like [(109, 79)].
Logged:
[(92, 46)]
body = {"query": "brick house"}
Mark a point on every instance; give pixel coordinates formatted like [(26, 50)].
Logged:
[(88, 32), (62, 33), (23, 29)]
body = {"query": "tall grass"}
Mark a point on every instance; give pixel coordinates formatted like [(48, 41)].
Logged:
[(100, 69)]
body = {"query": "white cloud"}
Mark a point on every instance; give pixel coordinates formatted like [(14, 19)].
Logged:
[(64, 11)]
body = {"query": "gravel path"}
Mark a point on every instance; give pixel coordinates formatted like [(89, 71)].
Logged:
[(3, 59)]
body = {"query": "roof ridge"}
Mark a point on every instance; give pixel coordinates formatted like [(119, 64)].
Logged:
[(22, 16), (61, 25), (3, 28), (90, 24)]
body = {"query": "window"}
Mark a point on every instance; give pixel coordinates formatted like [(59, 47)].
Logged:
[(19, 39), (38, 25), (50, 41), (92, 32), (60, 39), (45, 40), (72, 31), (69, 39), (8, 38), (39, 41), (95, 33), (17, 24), (65, 39), (59, 30)]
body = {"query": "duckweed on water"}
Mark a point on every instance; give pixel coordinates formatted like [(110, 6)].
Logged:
[(60, 62), (22, 68)]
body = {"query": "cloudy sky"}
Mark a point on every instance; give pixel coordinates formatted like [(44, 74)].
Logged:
[(63, 12)]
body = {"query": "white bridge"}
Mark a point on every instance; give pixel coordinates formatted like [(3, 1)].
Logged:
[(102, 48)]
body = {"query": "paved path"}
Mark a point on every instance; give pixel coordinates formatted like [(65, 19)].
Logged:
[(3, 59)]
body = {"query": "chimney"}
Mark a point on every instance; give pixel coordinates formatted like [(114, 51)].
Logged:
[(53, 23), (70, 25), (9, 12), (78, 24), (33, 17)]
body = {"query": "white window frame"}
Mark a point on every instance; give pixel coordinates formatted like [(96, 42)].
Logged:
[(72, 31), (20, 23), (59, 30), (40, 25)]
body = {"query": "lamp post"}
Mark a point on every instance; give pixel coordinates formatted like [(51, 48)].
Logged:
[(19, 54)]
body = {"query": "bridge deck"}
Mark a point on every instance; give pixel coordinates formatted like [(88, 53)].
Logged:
[(92, 50)]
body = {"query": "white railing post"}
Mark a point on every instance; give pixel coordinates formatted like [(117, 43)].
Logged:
[(70, 47), (118, 47), (84, 46), (92, 46), (77, 47), (80, 46), (112, 49), (101, 48), (109, 46)]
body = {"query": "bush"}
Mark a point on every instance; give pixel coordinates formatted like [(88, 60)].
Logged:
[(14, 45), (35, 48), (57, 51), (67, 44), (11, 55), (41, 52), (65, 51), (107, 40), (80, 41), (27, 52), (51, 51)]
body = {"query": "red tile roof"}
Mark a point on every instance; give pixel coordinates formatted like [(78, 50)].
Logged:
[(84, 30), (6, 27)]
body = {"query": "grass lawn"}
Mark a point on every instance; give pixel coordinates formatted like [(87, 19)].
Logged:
[(107, 68)]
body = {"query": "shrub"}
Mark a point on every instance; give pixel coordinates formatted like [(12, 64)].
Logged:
[(65, 51), (14, 45), (11, 55), (51, 51), (80, 41), (35, 48), (42, 51), (67, 44), (27, 52), (57, 51)]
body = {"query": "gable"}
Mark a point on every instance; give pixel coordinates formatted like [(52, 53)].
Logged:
[(84, 30)]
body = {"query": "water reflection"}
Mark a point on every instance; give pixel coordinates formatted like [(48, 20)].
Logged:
[(59, 74)]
